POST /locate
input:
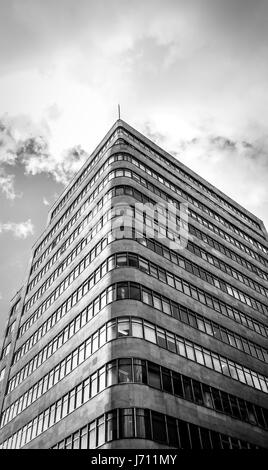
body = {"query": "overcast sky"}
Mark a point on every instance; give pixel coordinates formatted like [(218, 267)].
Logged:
[(190, 74)]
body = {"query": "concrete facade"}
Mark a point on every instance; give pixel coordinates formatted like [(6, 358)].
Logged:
[(236, 416)]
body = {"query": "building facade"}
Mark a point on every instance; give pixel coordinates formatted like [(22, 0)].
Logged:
[(139, 326)]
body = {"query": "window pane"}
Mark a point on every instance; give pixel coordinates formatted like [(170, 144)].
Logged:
[(123, 327), (161, 338), (143, 423), (147, 297), (172, 432), (124, 370), (126, 423), (154, 375), (166, 381), (122, 291), (137, 330), (159, 427), (135, 291), (149, 332), (111, 330)]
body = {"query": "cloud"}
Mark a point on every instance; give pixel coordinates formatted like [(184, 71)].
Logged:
[(28, 145), (35, 156), (7, 185), (7, 143), (19, 230), (46, 202)]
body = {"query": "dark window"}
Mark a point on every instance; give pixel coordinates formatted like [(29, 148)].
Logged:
[(215, 440), (173, 439), (122, 291), (135, 291), (192, 319), (262, 416), (205, 438), (177, 384), (226, 403), (143, 423), (243, 409), (159, 427), (161, 339), (154, 375), (119, 191), (184, 435), (251, 413), (198, 396), (175, 311), (133, 261), (166, 380), (235, 408), (184, 316), (195, 438), (188, 389), (217, 399)]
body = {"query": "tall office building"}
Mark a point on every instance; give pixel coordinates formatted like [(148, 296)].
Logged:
[(121, 337)]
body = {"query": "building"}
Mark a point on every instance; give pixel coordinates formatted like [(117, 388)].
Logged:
[(118, 340)]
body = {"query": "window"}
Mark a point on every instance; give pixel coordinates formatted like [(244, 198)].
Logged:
[(190, 351), (154, 375), (166, 381), (144, 265), (133, 261), (149, 332), (124, 370), (157, 302), (184, 435), (172, 432), (110, 294), (123, 327), (159, 427), (126, 423), (111, 426), (166, 307), (137, 330), (111, 373), (111, 330), (143, 423), (121, 260), (139, 370), (161, 338), (100, 431), (92, 435), (135, 291), (147, 297), (198, 397)]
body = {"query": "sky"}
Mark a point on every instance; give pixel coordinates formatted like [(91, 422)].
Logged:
[(192, 75)]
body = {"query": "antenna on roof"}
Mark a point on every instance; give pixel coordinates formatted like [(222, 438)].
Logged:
[(119, 116)]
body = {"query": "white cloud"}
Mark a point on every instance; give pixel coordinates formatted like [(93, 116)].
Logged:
[(7, 185), (46, 202), (28, 145), (19, 230), (194, 70)]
